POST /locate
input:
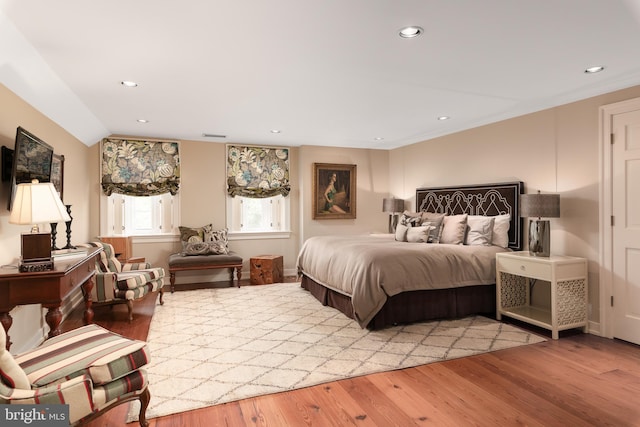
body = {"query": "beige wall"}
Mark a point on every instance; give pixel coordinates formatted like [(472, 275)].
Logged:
[(554, 150), (28, 324), (372, 170), (203, 192)]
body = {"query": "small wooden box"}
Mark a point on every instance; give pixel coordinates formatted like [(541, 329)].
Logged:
[(266, 269)]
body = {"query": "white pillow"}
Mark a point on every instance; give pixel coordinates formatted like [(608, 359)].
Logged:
[(401, 233), (501, 231), (419, 234), (479, 230), (453, 229)]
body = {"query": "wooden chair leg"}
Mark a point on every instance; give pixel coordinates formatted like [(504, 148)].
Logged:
[(145, 397), (161, 295), (130, 308), (239, 274), (172, 280)]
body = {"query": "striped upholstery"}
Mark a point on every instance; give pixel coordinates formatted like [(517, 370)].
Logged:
[(89, 368), (91, 350), (117, 282)]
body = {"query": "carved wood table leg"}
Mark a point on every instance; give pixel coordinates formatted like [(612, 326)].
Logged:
[(7, 321), (87, 287), (54, 318)]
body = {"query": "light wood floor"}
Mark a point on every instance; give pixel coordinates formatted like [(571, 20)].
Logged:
[(579, 380)]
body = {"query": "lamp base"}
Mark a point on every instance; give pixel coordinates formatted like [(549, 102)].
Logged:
[(393, 223), (539, 237)]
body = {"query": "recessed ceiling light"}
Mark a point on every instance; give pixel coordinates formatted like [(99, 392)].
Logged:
[(410, 32), (378, 138), (128, 83), (596, 69), (441, 118), (275, 131), (142, 121)]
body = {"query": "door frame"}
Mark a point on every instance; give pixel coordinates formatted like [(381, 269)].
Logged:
[(606, 210)]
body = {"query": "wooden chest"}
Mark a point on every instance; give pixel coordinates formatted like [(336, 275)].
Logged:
[(266, 269)]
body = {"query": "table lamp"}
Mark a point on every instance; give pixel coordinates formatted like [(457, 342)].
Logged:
[(393, 206), (36, 203), (540, 206)]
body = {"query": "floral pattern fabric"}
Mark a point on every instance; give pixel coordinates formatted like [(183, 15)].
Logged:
[(257, 172), (140, 168)]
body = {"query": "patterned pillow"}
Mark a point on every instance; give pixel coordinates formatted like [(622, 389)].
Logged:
[(435, 220), (410, 219), (220, 236), (190, 234), (203, 248)]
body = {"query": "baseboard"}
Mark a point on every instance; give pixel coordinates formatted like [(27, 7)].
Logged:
[(594, 328)]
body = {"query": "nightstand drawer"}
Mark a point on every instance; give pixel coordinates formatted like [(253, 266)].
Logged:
[(525, 268)]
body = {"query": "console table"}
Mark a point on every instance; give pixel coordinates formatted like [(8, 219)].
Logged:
[(48, 288)]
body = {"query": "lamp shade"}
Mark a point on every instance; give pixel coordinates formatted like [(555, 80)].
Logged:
[(540, 205), (37, 203), (392, 205)]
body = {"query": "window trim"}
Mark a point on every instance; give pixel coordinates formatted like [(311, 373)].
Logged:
[(283, 233), (108, 218)]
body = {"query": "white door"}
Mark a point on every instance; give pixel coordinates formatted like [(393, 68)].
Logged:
[(626, 228)]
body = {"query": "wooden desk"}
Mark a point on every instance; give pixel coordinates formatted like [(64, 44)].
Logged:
[(48, 288)]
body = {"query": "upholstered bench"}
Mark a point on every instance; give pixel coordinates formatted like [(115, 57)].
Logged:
[(179, 262)]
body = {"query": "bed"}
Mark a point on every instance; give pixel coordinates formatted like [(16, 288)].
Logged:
[(379, 281)]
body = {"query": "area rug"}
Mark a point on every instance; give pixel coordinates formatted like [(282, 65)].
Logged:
[(213, 346)]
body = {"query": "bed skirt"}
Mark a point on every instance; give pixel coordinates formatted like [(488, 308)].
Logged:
[(415, 306)]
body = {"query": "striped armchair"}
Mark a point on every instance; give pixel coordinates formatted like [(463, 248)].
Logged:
[(90, 369), (123, 283)]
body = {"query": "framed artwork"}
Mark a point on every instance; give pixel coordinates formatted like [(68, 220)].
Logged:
[(334, 191), (57, 173)]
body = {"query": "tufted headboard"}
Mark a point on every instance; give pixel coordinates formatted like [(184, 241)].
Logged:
[(486, 199)]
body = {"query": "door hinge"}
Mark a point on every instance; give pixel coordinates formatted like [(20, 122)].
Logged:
[(612, 140), (613, 220), (611, 300)]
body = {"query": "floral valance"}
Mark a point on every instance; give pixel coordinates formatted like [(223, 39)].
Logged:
[(139, 168), (257, 172)]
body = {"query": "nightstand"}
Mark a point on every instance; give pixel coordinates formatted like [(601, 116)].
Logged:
[(517, 271)]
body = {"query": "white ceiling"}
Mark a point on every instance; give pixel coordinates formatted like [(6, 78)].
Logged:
[(324, 72)]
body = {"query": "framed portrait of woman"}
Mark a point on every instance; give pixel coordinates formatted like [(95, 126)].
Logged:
[(334, 191)]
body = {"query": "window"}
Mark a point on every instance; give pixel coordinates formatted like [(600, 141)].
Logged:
[(249, 216), (140, 215)]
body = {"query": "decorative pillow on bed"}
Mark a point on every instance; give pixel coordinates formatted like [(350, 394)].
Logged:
[(501, 230), (479, 230), (453, 229), (419, 234), (401, 233), (434, 220), (203, 248), (410, 219)]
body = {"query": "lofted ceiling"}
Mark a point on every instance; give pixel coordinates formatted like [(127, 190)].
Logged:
[(322, 72)]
